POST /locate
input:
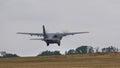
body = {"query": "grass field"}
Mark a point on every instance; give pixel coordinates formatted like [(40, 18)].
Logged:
[(67, 61)]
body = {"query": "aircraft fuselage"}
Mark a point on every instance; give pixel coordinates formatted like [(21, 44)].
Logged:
[(53, 38)]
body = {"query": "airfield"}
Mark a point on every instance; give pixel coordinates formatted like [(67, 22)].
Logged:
[(110, 60)]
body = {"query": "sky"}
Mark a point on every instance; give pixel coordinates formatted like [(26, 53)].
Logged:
[(99, 17)]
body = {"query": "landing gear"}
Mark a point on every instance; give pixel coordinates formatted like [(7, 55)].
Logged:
[(58, 43), (47, 44)]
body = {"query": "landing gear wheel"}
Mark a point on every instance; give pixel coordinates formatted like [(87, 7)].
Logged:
[(59, 44), (47, 44)]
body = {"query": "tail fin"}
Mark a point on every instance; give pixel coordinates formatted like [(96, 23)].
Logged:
[(44, 32)]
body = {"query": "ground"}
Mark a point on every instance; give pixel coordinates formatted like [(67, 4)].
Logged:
[(66, 61)]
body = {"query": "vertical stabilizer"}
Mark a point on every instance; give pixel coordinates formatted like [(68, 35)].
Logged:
[(44, 32)]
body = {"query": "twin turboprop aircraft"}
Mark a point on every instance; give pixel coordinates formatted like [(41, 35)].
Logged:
[(51, 38)]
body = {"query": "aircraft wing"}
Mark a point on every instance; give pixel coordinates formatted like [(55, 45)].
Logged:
[(73, 33), (37, 39), (35, 34)]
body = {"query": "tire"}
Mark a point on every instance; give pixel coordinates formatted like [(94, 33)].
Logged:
[(47, 44), (59, 44)]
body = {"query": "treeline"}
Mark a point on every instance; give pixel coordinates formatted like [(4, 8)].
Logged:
[(78, 50), (90, 50), (48, 53), (7, 55), (82, 50)]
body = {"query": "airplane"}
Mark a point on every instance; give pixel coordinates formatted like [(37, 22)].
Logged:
[(51, 38)]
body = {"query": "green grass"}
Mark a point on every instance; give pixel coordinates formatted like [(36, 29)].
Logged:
[(67, 61)]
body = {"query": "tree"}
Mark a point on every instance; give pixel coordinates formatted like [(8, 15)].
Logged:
[(71, 51), (9, 55), (81, 50), (84, 50), (90, 49), (110, 49), (96, 49), (48, 53), (56, 53), (3, 53)]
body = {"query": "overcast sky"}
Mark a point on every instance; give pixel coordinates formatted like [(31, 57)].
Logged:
[(99, 17)]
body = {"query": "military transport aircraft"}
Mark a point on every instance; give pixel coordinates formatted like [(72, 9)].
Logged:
[(51, 38)]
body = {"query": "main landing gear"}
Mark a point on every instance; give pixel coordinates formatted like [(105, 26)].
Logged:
[(47, 44), (57, 43)]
